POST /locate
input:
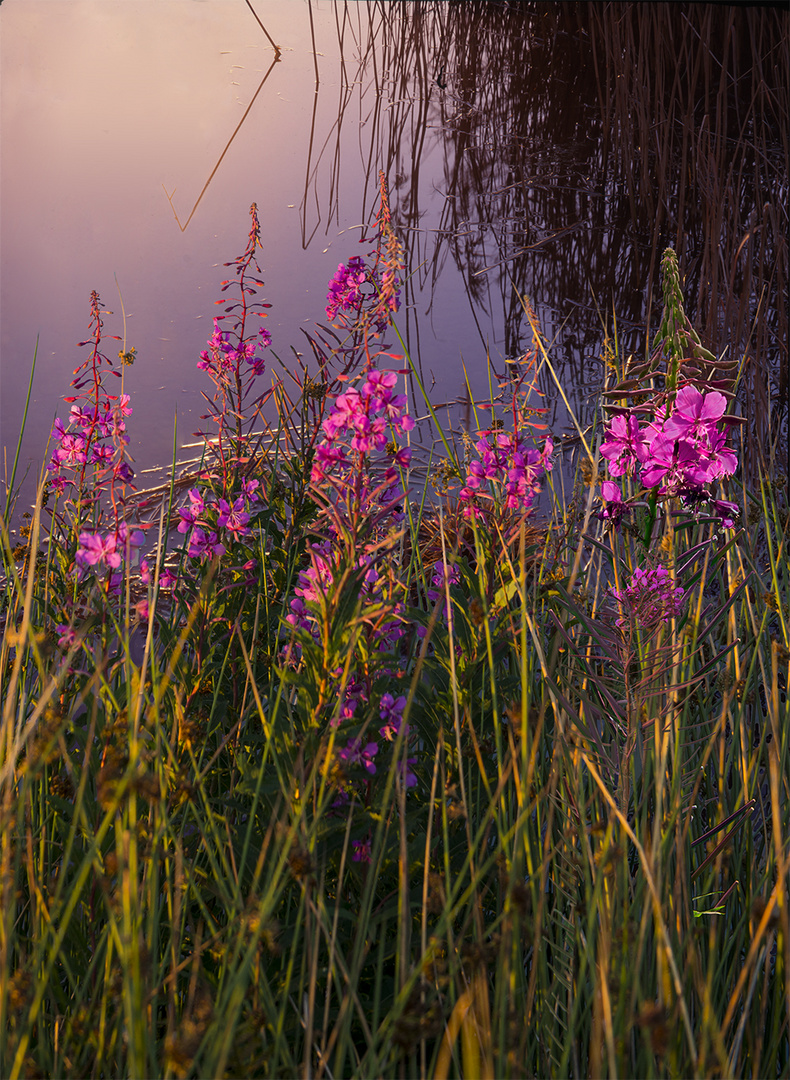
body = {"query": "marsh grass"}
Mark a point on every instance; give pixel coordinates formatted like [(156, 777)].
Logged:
[(587, 876)]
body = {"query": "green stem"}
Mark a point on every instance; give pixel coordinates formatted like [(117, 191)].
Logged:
[(10, 486), (651, 520)]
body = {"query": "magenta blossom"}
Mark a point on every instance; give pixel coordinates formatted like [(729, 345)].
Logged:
[(97, 550), (67, 636), (356, 754), (191, 515), (694, 414), (122, 407), (612, 498), (250, 489), (71, 451), (506, 463), (345, 288), (361, 420), (727, 512), (625, 445), (204, 544), (361, 851), (406, 773), (391, 712), (130, 539), (651, 597), (675, 464), (234, 518)]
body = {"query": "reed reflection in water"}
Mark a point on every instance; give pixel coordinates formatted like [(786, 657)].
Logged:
[(550, 151), (576, 142)]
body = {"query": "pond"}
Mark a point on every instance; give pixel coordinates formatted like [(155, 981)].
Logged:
[(544, 151)]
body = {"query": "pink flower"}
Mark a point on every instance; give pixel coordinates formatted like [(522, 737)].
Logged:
[(250, 488), (361, 851), (71, 451), (202, 545), (674, 465), (234, 518), (651, 597), (727, 512), (694, 413), (344, 288), (67, 636), (130, 539), (97, 550), (101, 455), (612, 499), (58, 431), (625, 444), (721, 460), (191, 515), (298, 616), (123, 407), (406, 773), (391, 711), (356, 754), (167, 579)]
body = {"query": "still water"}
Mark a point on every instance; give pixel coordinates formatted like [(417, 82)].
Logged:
[(136, 135)]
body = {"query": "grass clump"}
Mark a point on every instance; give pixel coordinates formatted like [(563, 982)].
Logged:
[(309, 774)]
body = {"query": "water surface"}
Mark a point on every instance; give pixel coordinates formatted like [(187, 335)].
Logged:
[(136, 135)]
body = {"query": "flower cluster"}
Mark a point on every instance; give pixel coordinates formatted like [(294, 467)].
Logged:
[(108, 550), (205, 516), (222, 359), (508, 468), (390, 255), (103, 553), (366, 297), (355, 477), (650, 598), (94, 436), (443, 575), (360, 420), (391, 712), (316, 581), (345, 288), (360, 753), (680, 450), (233, 363), (357, 754), (355, 294)]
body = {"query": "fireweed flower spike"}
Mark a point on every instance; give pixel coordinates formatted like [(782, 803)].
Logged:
[(233, 363), (680, 452), (650, 598), (508, 468), (365, 297), (345, 288)]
